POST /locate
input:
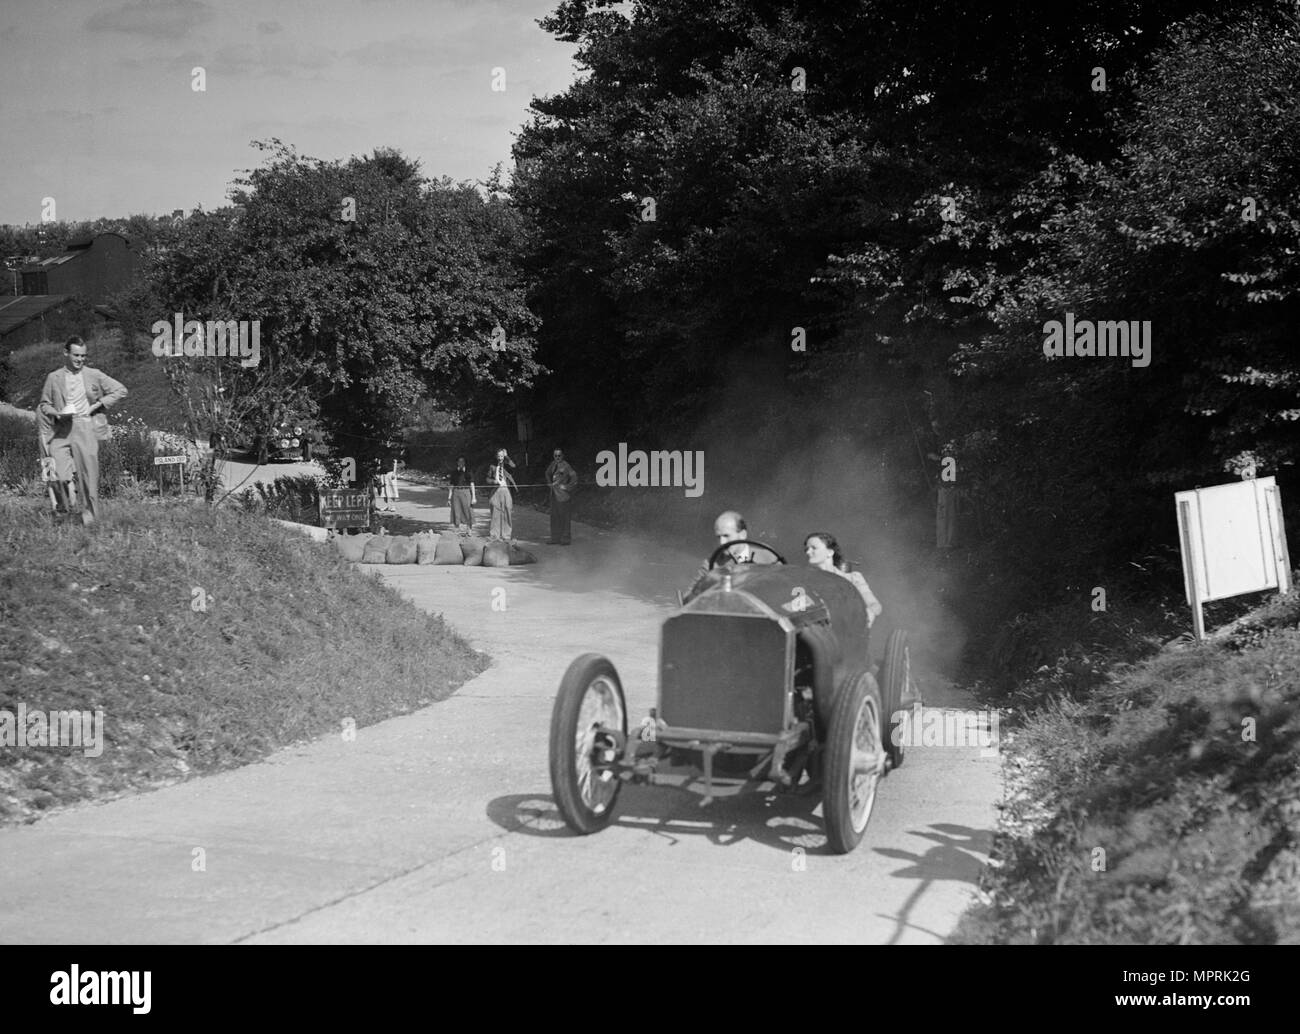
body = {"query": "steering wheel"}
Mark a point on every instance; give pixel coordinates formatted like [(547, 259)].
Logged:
[(752, 543)]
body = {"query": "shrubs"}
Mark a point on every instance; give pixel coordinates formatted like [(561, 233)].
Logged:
[(127, 457), (295, 498), (125, 460), (19, 453), (1160, 806)]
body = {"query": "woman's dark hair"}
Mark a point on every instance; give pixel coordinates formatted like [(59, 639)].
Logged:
[(837, 558)]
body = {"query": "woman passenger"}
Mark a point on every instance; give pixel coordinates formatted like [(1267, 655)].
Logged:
[(824, 552)]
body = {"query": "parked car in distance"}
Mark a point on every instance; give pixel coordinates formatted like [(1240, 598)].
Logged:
[(287, 443)]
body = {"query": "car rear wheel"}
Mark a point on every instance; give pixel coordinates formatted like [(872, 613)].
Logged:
[(895, 677), (854, 763), (589, 709)]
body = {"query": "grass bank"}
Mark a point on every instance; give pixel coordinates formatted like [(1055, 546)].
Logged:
[(209, 638), (1155, 802)]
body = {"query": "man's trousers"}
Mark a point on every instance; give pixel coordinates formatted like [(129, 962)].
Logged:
[(77, 448), (461, 513), (560, 514), (503, 508)]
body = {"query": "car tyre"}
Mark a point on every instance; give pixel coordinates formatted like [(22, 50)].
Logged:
[(854, 762), (590, 700), (895, 675)]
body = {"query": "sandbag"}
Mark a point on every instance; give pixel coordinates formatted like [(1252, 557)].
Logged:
[(496, 554), (447, 550), (351, 547), (520, 556), (376, 551), (401, 550), (426, 545), (471, 550)]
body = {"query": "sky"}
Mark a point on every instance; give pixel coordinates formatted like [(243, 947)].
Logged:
[(98, 109)]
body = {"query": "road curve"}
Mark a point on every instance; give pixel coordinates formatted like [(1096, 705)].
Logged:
[(438, 826)]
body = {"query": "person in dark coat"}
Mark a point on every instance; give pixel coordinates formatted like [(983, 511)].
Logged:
[(562, 479), (461, 495)]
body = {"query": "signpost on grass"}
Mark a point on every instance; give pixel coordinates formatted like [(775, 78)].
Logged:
[(170, 461), (1233, 542), (344, 508)]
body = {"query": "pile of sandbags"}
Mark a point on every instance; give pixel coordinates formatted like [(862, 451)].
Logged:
[(428, 548)]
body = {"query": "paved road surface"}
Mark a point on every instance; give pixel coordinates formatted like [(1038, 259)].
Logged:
[(438, 826)]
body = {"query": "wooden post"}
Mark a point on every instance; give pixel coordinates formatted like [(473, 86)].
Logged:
[(1192, 562)]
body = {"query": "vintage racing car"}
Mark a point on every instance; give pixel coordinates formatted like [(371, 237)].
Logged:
[(762, 674)]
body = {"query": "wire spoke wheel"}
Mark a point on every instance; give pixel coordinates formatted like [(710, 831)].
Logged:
[(601, 709), (855, 762), (588, 725)]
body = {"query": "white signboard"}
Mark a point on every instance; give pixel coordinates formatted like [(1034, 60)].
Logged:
[(1233, 542), (165, 461)]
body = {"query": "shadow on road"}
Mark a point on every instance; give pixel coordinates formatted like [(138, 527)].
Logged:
[(953, 857), (780, 821)]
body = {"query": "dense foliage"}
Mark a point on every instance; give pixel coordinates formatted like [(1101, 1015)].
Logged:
[(919, 188), (373, 287)]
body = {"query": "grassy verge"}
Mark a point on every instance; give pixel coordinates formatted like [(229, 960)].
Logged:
[(1158, 804), (209, 638)]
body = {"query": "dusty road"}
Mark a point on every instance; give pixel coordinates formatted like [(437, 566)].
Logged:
[(438, 826)]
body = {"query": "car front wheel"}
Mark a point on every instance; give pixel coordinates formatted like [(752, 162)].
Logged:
[(588, 726), (854, 763)]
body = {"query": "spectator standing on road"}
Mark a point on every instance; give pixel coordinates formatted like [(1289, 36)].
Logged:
[(390, 486), (461, 495), (500, 524), (73, 421), (562, 479)]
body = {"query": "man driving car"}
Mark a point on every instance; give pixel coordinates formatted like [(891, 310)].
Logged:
[(729, 527)]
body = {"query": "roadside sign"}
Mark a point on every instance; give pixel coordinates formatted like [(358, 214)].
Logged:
[(344, 508), (170, 461), (1233, 542)]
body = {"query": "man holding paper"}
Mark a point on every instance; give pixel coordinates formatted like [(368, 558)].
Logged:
[(73, 421)]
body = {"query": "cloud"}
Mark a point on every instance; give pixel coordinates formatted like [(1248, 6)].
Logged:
[(154, 19), (253, 59), (401, 53), (269, 28)]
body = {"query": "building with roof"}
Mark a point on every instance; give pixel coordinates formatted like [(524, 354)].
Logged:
[(23, 319), (93, 268)]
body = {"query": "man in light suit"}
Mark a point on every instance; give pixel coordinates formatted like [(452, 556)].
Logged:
[(72, 422)]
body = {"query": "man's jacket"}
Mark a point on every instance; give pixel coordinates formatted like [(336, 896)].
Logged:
[(100, 387), (562, 478)]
